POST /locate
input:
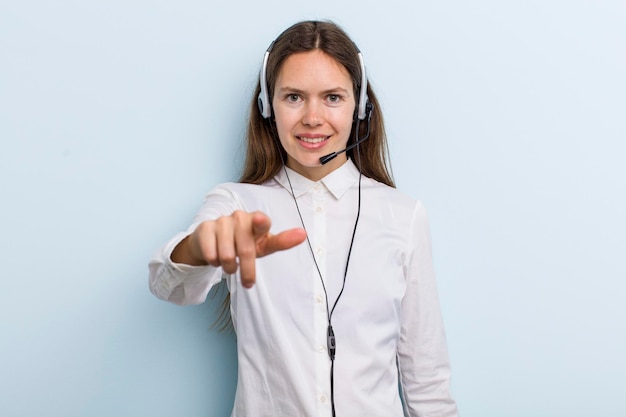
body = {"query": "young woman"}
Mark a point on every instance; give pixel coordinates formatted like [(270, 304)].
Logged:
[(328, 266)]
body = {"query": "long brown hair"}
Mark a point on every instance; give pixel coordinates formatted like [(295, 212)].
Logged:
[(263, 153)]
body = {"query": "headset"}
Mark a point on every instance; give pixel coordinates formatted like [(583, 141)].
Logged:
[(265, 106)]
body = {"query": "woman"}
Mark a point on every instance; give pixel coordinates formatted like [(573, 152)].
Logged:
[(346, 304)]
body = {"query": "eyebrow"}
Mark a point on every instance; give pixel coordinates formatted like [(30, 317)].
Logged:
[(299, 91)]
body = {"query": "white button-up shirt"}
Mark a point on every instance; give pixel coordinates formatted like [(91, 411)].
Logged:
[(387, 322)]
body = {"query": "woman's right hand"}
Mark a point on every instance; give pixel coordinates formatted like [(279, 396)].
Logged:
[(235, 241)]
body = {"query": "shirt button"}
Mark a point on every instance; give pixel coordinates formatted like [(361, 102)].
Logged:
[(318, 299), (323, 399), (319, 251), (321, 348), (318, 209)]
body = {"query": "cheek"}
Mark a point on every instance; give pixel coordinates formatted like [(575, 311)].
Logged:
[(284, 128), (344, 121), (279, 120), (284, 119)]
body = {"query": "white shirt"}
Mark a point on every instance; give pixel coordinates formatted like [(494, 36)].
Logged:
[(387, 320)]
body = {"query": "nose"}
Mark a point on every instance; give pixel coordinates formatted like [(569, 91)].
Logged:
[(313, 114)]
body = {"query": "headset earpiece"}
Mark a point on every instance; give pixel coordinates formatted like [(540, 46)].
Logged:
[(265, 107), (362, 108), (369, 108)]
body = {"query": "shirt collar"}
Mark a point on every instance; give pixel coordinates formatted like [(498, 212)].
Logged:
[(337, 182)]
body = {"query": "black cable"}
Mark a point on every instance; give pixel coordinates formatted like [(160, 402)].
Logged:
[(331, 343)]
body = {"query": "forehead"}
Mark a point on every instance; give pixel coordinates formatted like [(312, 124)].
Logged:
[(313, 67)]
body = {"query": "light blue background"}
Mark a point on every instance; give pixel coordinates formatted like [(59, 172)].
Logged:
[(507, 118)]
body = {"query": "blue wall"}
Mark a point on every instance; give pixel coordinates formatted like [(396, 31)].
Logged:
[(506, 118)]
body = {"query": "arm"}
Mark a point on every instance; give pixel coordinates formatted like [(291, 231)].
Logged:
[(422, 351), (180, 283), (234, 242), (223, 238)]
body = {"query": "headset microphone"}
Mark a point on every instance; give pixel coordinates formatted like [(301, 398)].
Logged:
[(368, 109)]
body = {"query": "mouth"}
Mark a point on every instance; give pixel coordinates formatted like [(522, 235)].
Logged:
[(313, 140)]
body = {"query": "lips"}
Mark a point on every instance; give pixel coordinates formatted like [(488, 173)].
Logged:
[(313, 140)]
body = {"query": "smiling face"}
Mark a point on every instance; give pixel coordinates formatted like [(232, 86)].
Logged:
[(313, 106)]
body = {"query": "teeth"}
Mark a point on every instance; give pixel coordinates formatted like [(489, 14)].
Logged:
[(312, 140)]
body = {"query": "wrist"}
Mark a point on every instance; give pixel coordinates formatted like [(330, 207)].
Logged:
[(183, 254)]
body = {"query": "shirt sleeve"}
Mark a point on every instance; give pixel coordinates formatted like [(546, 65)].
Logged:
[(422, 351), (185, 284)]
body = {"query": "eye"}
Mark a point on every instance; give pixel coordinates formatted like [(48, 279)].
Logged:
[(292, 98), (333, 98)]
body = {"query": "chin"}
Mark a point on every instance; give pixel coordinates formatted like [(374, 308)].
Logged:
[(309, 162)]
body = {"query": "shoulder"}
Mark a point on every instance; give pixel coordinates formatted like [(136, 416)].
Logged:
[(243, 196), (391, 196), (396, 209), (239, 190)]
